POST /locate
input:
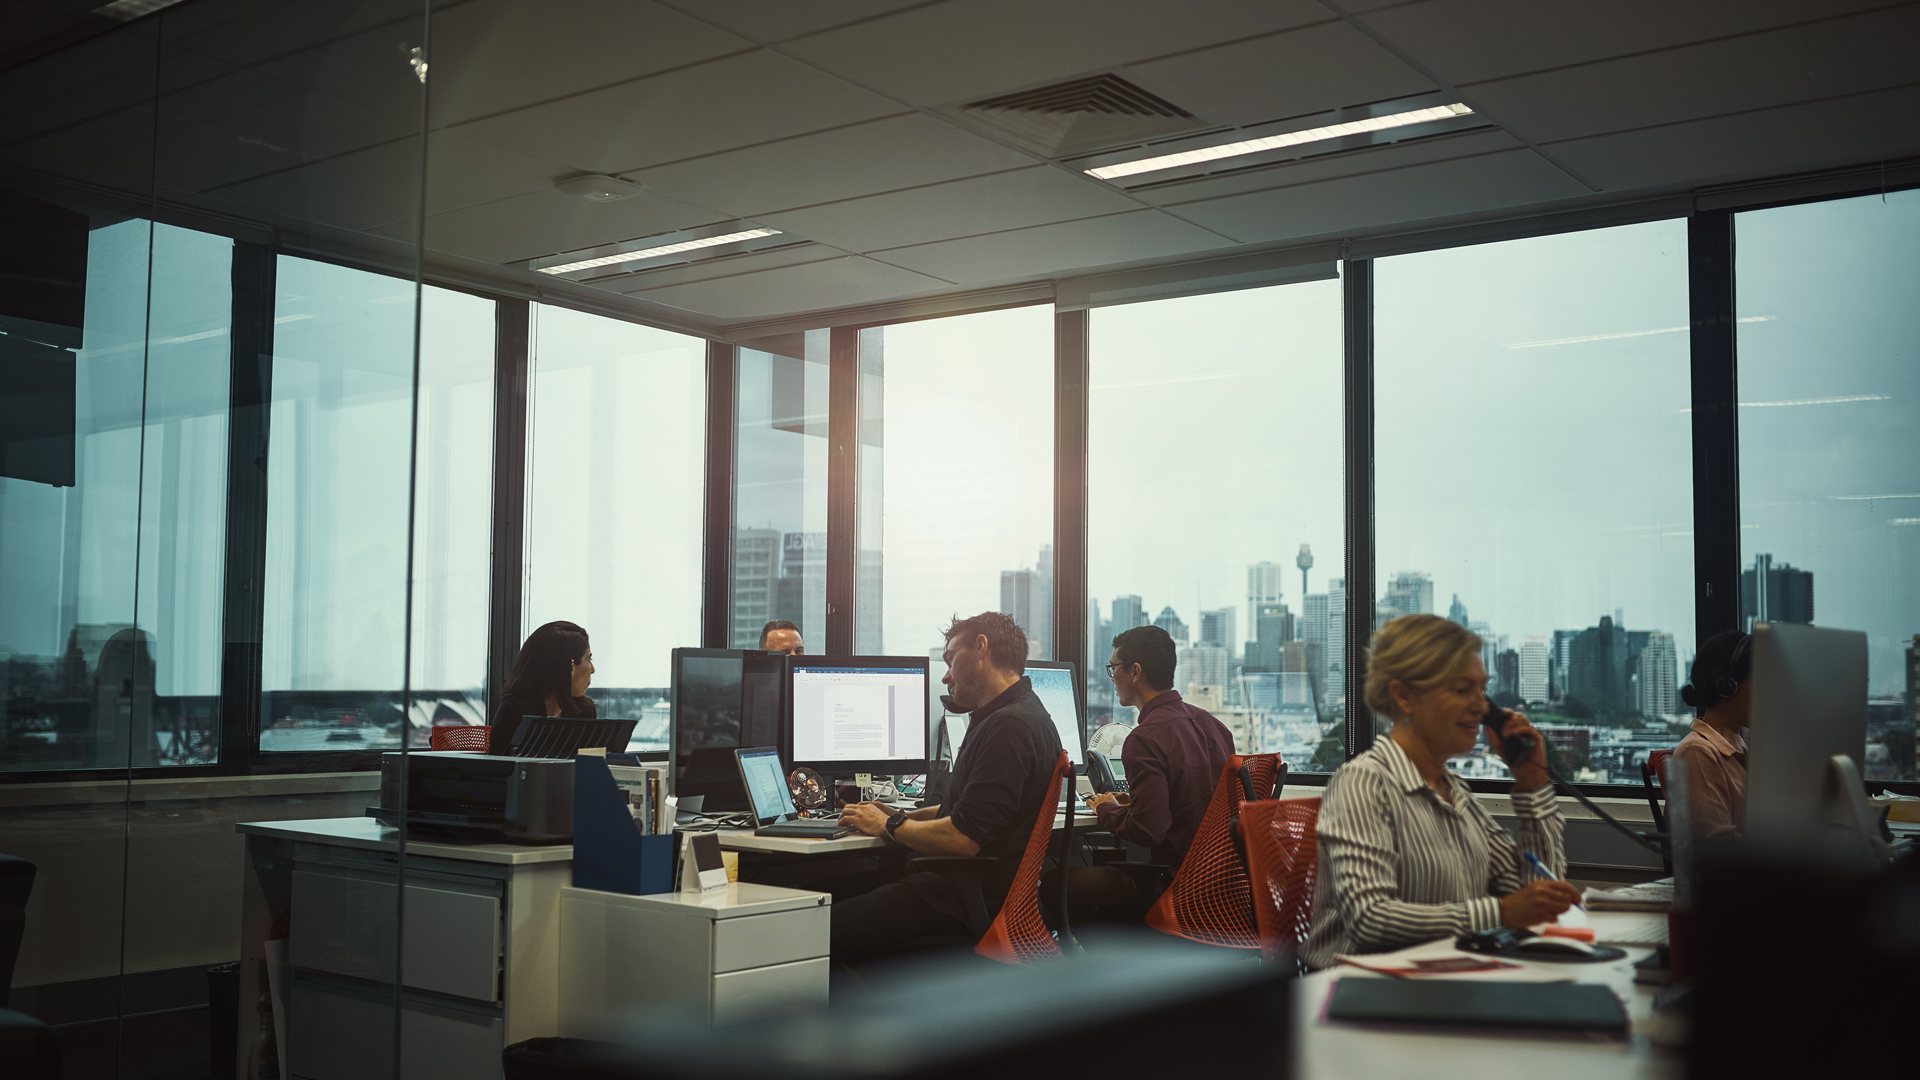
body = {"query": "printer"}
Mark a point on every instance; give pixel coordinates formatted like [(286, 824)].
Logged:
[(479, 798)]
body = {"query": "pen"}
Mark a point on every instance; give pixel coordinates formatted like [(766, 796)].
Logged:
[(1540, 869)]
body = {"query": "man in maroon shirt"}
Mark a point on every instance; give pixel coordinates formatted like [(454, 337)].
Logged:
[(1173, 757)]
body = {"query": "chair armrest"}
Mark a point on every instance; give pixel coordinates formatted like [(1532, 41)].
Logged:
[(966, 873)]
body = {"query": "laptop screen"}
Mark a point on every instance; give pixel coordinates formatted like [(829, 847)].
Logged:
[(766, 782)]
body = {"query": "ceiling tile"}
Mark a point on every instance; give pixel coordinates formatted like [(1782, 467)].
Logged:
[(1468, 41), (728, 266), (778, 20), (1347, 163), (981, 204), (967, 49), (1052, 249), (245, 31), (1282, 75), (355, 191), (1842, 56), (720, 105), (1356, 203), (496, 55), (812, 287), (828, 166), (1795, 138), (547, 222)]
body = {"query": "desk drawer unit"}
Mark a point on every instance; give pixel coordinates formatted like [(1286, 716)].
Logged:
[(344, 1033), (730, 958), (764, 940), (343, 925)]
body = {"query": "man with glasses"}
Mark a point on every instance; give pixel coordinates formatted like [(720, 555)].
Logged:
[(1172, 760)]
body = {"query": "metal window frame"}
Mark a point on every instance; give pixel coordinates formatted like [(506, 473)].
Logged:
[(512, 342), (1072, 359), (717, 515), (1356, 324)]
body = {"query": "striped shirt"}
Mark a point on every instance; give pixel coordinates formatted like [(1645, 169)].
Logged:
[(1400, 865)]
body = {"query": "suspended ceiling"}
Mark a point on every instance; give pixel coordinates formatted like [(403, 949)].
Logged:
[(843, 125)]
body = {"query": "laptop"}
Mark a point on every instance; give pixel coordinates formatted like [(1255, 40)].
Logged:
[(765, 779)]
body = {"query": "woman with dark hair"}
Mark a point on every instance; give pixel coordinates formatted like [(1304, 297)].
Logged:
[(1715, 752), (549, 678)]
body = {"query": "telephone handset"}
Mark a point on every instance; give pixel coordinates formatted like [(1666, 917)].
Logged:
[(1102, 774), (1513, 750)]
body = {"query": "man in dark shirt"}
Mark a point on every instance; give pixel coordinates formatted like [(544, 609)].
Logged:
[(1172, 759), (999, 782)]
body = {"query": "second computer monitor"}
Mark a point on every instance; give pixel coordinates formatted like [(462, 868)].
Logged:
[(855, 714), (1057, 688)]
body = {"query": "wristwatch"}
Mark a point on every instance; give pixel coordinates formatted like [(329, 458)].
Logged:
[(893, 822)]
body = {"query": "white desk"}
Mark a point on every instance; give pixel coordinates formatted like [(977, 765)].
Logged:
[(744, 840), (1330, 1051)]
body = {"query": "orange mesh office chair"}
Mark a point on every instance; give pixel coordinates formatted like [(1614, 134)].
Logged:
[(1653, 771), (1019, 933), (1210, 899), (459, 737), (1283, 859)]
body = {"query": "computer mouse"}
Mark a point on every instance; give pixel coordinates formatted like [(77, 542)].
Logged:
[(1552, 947)]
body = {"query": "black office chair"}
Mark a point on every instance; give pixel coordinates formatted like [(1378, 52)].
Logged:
[(25, 1041)]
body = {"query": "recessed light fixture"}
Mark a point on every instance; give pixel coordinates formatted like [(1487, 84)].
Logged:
[(596, 188), (656, 252), (1276, 142)]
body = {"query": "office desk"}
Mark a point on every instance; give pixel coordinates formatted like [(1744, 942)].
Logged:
[(744, 840), (1330, 1051), (481, 954)]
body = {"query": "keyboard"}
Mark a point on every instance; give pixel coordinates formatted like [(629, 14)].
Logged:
[(805, 829)]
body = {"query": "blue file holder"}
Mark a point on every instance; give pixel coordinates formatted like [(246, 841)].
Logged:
[(610, 853)]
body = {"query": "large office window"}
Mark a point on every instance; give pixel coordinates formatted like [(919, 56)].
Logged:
[(613, 501), (339, 464), (1214, 508), (1829, 376), (1534, 481), (965, 426), (113, 496), (780, 492)]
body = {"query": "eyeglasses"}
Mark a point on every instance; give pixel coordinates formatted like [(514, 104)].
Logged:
[(1112, 668)]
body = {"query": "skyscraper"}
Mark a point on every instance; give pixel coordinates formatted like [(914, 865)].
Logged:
[(1507, 671), (1026, 596), (1411, 593), (1313, 628), (1203, 665), (1263, 587), (1457, 612), (1217, 627), (1272, 628), (1171, 623), (1775, 592), (1597, 671), (756, 572), (1659, 674), (1533, 668), (1128, 612), (1337, 640)]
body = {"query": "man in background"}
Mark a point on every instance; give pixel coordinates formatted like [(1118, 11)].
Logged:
[(782, 636)]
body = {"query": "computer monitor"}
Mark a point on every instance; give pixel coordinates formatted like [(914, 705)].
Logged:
[(855, 714), (723, 699), (766, 782), (1809, 687), (1055, 684)]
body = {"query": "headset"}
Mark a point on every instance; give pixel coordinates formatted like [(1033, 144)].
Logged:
[(1725, 685)]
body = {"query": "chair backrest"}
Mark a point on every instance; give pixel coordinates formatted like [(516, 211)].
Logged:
[(459, 737), (1283, 859), (1019, 933), (1210, 899), (1657, 764), (16, 885)]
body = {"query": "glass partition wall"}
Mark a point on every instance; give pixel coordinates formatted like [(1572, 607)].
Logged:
[(209, 504)]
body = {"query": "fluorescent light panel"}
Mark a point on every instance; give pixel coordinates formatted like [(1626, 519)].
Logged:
[(1277, 142), (656, 252)]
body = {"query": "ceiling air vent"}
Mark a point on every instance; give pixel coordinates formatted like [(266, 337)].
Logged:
[(1084, 115)]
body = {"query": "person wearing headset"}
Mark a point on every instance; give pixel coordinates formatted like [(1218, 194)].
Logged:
[(1715, 753)]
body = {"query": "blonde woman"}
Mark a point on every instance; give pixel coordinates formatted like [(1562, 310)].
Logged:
[(1406, 852)]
